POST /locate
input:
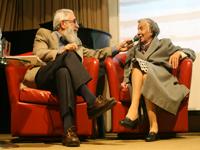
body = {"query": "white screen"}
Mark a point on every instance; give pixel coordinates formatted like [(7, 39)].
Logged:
[(178, 20)]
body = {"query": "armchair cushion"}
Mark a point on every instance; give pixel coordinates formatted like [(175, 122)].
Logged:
[(30, 95)]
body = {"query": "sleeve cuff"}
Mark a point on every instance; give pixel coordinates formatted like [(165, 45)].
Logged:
[(114, 51), (183, 55)]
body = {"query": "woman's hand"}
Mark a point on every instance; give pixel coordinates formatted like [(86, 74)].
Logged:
[(71, 47), (124, 85), (174, 59)]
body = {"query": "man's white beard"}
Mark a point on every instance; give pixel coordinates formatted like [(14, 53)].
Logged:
[(71, 36)]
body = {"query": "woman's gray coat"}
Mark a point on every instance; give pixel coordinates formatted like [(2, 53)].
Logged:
[(160, 86)]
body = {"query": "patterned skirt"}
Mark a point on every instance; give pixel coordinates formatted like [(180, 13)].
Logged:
[(142, 64)]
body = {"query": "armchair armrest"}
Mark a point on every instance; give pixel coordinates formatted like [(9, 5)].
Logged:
[(185, 72), (92, 66), (15, 71), (115, 72)]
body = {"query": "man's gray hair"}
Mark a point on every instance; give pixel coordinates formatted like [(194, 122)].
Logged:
[(60, 14), (153, 26)]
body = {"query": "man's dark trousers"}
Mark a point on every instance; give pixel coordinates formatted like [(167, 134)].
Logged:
[(63, 76)]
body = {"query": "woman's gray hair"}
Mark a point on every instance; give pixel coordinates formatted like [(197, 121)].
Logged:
[(60, 14), (153, 26)]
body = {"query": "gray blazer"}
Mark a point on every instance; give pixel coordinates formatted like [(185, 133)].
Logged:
[(46, 46), (160, 86)]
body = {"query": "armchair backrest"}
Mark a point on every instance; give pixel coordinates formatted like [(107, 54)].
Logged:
[(183, 72), (15, 71), (115, 72)]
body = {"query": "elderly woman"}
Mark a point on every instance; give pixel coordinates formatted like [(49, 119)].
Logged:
[(147, 69)]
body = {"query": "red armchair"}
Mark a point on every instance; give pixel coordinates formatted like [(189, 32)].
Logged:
[(36, 112), (166, 121)]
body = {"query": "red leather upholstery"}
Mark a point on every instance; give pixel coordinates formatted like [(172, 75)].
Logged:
[(166, 121), (36, 112)]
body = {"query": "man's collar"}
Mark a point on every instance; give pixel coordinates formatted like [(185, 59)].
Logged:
[(57, 34)]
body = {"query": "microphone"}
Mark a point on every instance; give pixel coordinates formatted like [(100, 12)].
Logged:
[(136, 38), (132, 41)]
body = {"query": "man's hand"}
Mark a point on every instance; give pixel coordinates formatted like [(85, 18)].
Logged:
[(71, 47), (125, 45), (174, 59)]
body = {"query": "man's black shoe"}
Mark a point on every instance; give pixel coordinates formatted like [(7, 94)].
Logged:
[(100, 106), (71, 139)]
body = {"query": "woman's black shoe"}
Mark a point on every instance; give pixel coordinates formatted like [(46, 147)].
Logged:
[(152, 136), (128, 123)]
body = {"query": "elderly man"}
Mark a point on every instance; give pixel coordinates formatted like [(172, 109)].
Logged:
[(61, 52), (147, 70)]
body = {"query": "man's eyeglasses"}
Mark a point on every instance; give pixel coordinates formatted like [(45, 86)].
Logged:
[(72, 21)]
